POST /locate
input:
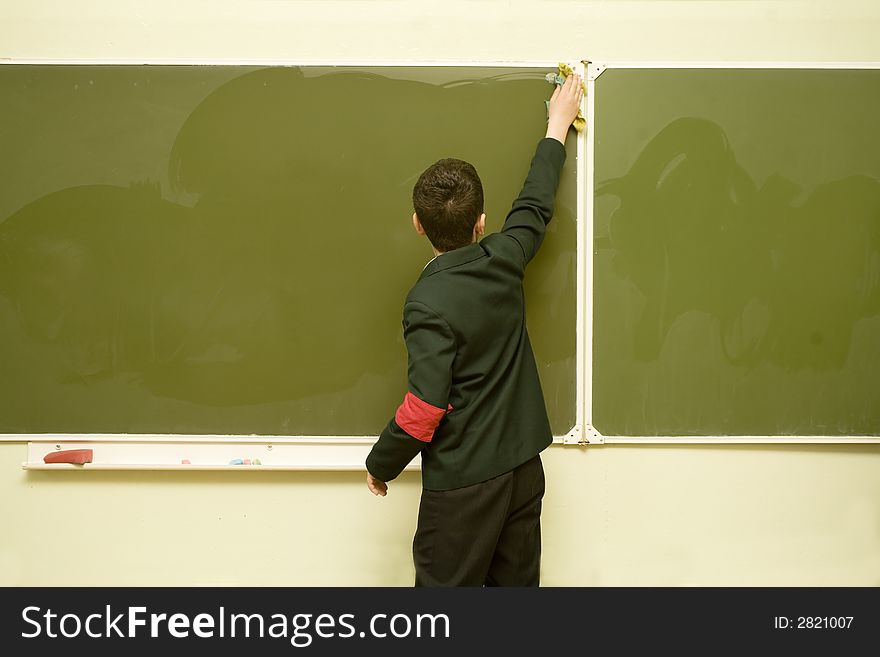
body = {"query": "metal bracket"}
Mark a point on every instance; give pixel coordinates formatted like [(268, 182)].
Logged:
[(592, 436), (583, 435), (594, 70)]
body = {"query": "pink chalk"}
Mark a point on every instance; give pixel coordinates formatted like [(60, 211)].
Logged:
[(79, 456), (185, 462), (247, 461)]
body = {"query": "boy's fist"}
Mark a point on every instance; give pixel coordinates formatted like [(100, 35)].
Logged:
[(376, 487)]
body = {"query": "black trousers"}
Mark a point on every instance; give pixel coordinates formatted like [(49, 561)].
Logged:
[(487, 534)]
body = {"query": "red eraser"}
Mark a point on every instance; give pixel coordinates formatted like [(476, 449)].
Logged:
[(69, 456)]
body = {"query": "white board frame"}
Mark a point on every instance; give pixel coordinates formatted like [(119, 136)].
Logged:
[(592, 436), (161, 451)]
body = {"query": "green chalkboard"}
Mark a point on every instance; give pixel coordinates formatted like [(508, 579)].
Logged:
[(737, 252), (226, 250)]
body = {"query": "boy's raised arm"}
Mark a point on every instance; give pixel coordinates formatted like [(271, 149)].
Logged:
[(531, 212)]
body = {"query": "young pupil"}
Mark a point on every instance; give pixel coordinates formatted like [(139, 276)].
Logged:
[(475, 409)]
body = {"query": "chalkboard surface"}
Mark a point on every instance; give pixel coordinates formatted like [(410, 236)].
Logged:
[(737, 259), (201, 250)]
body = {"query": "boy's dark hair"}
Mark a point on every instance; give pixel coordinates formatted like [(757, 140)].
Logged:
[(448, 200)]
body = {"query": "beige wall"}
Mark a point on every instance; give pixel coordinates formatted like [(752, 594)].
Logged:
[(632, 515)]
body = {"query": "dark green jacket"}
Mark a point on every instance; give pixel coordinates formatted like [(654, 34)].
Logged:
[(474, 408)]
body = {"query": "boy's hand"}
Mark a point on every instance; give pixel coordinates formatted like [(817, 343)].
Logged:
[(376, 487), (564, 105)]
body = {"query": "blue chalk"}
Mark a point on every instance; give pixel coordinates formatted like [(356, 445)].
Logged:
[(236, 462)]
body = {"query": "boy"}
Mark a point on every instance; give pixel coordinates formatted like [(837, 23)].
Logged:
[(475, 409)]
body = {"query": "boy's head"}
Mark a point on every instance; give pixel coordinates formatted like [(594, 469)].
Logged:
[(448, 203)]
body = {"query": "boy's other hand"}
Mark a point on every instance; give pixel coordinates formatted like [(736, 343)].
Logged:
[(564, 105), (376, 487)]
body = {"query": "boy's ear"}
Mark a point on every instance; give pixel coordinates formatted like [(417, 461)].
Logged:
[(417, 224), (480, 226)]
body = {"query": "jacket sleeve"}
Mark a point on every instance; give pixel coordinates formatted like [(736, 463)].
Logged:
[(430, 346), (533, 208)]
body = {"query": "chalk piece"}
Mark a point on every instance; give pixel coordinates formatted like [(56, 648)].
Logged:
[(185, 461), (236, 462), (258, 462), (247, 461), (69, 456)]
